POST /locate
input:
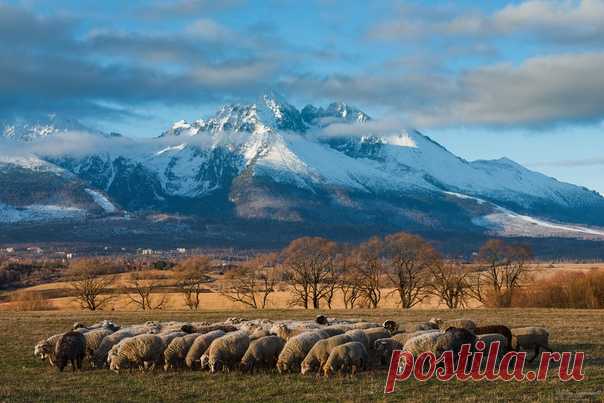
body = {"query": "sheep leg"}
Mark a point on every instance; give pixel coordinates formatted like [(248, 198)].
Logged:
[(537, 347)]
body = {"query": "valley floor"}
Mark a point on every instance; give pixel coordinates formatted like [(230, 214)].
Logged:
[(25, 379)]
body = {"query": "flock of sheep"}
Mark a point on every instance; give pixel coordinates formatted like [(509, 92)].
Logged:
[(324, 345)]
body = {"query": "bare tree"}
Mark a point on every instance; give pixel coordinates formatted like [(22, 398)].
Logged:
[(449, 283), (501, 270), (252, 283), (191, 274), (310, 263), (410, 259), (92, 292), (348, 281), (369, 267), (143, 287)]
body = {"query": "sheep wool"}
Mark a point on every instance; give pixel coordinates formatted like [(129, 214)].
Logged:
[(262, 352), (227, 351), (176, 352), (70, 347), (199, 346), (295, 351), (318, 354), (346, 358)]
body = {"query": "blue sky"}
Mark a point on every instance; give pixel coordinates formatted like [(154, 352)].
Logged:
[(521, 79)]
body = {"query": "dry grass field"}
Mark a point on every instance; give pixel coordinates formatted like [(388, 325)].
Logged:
[(25, 379), (56, 295)]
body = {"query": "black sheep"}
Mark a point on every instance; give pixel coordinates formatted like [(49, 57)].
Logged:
[(71, 347), (501, 329)]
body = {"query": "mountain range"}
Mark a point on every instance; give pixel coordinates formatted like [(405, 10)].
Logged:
[(268, 163)]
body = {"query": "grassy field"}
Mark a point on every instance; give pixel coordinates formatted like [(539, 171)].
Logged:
[(24, 378)]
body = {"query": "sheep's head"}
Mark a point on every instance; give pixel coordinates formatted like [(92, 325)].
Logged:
[(282, 366), (215, 366), (391, 326), (204, 362), (436, 321), (306, 367), (42, 349), (321, 319), (117, 362), (327, 370)]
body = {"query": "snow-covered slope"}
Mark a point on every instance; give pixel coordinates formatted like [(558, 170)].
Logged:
[(268, 160)]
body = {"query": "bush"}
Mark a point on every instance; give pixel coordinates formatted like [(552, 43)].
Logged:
[(565, 290), (30, 301)]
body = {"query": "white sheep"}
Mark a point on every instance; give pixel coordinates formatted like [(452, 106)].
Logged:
[(94, 338), (100, 355), (365, 325), (422, 342), (296, 349), (262, 352), (459, 323), (142, 351), (346, 358), (531, 338), (318, 354), (176, 352), (45, 349), (226, 352), (199, 346)]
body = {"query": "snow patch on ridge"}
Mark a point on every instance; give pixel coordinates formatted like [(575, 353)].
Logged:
[(102, 201)]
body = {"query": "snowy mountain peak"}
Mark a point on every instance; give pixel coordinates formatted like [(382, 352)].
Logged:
[(38, 127), (336, 112)]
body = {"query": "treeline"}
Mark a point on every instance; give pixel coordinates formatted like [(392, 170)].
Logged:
[(319, 273)]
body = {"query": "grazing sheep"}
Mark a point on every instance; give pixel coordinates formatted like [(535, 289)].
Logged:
[(365, 325), (199, 346), (384, 347), (46, 348), (142, 351), (391, 326), (176, 352), (531, 338), (259, 333), (262, 352), (285, 332), (226, 352), (296, 349), (403, 337), (452, 339), (100, 355), (168, 337), (375, 333), (70, 347), (332, 330), (346, 358), (321, 320), (360, 336), (422, 342), (94, 338), (501, 329), (426, 326), (318, 354), (458, 323), (215, 326)]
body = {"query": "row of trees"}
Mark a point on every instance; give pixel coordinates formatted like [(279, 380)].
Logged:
[(317, 271)]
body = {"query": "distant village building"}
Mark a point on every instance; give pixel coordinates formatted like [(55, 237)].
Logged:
[(181, 250), (9, 250), (147, 252)]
